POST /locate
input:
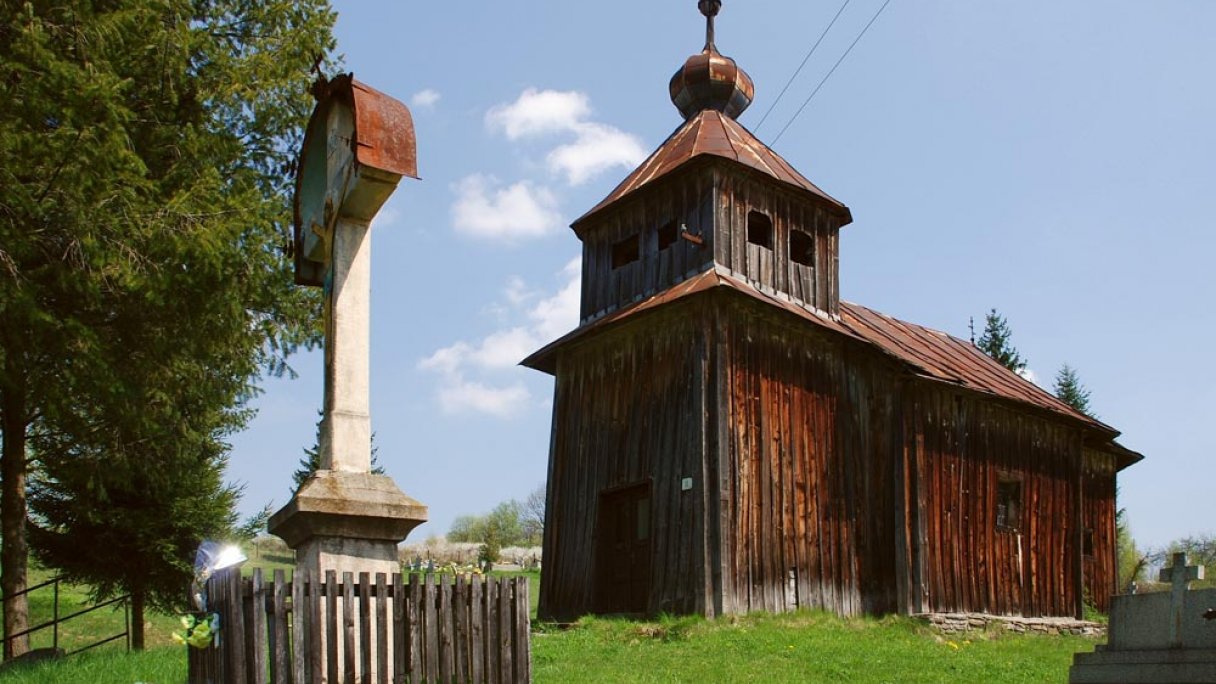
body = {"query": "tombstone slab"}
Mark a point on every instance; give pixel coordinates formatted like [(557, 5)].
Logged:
[(1158, 637)]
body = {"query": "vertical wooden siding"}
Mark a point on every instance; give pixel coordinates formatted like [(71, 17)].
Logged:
[(629, 407), (809, 517), (688, 202), (738, 194), (1101, 567), (963, 447)]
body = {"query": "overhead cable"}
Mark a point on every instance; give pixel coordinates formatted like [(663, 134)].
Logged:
[(800, 66), (832, 71)]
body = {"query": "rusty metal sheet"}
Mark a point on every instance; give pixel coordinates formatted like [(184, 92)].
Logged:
[(384, 131), (713, 133), (940, 356)]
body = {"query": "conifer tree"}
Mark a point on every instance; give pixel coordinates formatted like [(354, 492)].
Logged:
[(996, 342), (1068, 389)]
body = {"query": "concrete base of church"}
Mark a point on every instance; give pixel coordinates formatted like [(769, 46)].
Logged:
[(347, 522), (1133, 667)]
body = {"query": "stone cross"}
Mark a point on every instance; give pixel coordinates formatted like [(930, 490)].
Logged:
[(1179, 575)]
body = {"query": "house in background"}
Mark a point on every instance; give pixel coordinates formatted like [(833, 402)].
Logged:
[(729, 436)]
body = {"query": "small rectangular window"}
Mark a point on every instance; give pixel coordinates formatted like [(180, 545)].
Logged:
[(759, 229), (1087, 542), (625, 252), (668, 234), (802, 248), (1009, 504)]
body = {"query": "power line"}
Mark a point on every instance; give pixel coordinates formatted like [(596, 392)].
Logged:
[(832, 71), (800, 66)]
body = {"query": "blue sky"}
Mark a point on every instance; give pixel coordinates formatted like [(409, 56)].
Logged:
[(1053, 160)]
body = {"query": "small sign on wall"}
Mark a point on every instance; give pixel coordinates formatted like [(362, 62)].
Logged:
[(686, 484)]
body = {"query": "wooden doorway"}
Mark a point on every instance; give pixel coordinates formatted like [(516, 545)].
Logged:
[(623, 554)]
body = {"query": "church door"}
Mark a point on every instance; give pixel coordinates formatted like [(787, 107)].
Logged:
[(623, 562)]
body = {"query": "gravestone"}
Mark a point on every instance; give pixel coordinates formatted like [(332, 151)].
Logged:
[(1158, 637), (358, 145)]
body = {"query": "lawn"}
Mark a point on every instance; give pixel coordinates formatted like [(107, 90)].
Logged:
[(798, 647)]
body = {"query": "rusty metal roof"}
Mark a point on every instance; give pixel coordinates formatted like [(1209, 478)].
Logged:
[(937, 355), (713, 133), (931, 354), (544, 359)]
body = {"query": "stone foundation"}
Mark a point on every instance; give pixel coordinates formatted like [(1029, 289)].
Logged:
[(954, 623)]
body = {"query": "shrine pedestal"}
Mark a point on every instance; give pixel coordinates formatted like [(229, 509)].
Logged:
[(347, 522)]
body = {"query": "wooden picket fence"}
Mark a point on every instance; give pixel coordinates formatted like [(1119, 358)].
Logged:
[(420, 628)]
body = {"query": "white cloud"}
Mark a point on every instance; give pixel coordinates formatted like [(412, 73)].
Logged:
[(541, 318), (425, 99), (539, 112), (461, 396), (521, 210), (597, 147), (554, 316)]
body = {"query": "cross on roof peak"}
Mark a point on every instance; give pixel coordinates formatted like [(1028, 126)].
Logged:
[(710, 9)]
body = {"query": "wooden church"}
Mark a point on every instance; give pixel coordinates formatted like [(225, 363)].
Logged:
[(729, 436)]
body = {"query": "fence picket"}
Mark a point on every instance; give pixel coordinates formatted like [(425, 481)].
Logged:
[(235, 627), (316, 629), (430, 632), (460, 632), (504, 628), (348, 627), (331, 626), (416, 644), (279, 650), (476, 647), (382, 629), (299, 609), (257, 629), (365, 628), (491, 637)]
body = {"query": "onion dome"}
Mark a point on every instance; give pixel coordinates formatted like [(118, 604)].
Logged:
[(710, 80)]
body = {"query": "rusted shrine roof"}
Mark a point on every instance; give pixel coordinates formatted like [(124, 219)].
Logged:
[(712, 133), (930, 353)]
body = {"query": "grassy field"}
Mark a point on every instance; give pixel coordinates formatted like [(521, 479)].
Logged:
[(800, 647)]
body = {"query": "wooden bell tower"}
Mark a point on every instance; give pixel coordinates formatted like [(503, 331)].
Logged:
[(635, 482)]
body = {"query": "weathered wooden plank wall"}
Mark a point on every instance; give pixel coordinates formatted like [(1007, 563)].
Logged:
[(810, 516), (686, 201), (1101, 566), (629, 408), (739, 193), (964, 446)]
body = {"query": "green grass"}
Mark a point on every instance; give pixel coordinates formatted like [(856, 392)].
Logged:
[(164, 665), (800, 647), (87, 629)]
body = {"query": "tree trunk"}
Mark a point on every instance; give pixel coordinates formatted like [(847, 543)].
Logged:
[(13, 552), (138, 598)]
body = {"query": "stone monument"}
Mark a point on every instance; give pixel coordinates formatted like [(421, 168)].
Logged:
[(358, 145), (1157, 637)]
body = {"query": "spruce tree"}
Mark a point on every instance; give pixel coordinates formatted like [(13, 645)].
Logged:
[(996, 342), (1068, 389)]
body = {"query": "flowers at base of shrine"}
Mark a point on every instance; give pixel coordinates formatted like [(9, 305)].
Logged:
[(198, 632)]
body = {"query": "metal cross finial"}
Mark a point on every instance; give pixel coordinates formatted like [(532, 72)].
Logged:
[(710, 9)]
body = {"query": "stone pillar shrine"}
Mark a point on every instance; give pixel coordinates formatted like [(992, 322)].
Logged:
[(358, 145)]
